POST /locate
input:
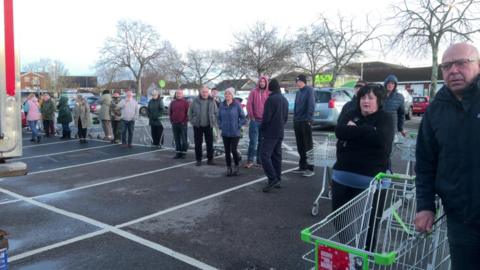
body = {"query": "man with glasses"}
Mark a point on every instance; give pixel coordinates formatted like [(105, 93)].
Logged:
[(448, 156)]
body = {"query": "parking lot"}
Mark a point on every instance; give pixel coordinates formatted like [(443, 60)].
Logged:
[(101, 206)]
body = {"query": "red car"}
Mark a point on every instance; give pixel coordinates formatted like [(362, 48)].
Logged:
[(420, 105)]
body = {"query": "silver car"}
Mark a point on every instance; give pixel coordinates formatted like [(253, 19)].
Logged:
[(328, 105)]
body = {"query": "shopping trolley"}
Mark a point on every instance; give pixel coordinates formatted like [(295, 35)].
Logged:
[(323, 154), (406, 146), (375, 230), (145, 136)]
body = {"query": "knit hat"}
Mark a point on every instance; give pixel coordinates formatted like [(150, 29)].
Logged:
[(302, 78), (230, 90), (273, 86)]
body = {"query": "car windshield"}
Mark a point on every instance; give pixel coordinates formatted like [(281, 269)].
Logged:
[(419, 99), (322, 96)]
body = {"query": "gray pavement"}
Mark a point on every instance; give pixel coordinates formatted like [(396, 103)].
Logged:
[(101, 206)]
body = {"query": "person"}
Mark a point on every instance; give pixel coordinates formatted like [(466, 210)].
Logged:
[(230, 120), (215, 96), (178, 114), (81, 116), (115, 117), (365, 137), (154, 113), (33, 115), (104, 114), (448, 154), (275, 116), (255, 105), (302, 124), (352, 104), (64, 117), (394, 103), (129, 107), (202, 114), (48, 114)]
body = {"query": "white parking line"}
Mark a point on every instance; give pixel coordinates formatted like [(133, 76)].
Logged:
[(106, 228), (95, 162), (42, 144), (65, 152)]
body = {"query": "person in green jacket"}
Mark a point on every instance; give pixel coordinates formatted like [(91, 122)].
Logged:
[(154, 112), (48, 115), (64, 117)]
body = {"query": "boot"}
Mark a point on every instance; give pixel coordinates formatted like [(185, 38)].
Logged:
[(235, 170), (229, 171), (68, 135)]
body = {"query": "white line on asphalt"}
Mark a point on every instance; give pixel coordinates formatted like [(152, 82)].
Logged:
[(94, 162), (195, 201), (109, 228), (42, 144), (65, 152)]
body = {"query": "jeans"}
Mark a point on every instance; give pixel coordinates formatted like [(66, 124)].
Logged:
[(272, 159), (66, 130), (198, 134), (464, 241), (255, 139), (127, 127), (157, 135), (33, 127), (231, 144), (180, 136), (303, 136)]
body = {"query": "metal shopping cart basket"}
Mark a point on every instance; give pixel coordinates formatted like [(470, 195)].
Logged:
[(323, 154), (406, 146), (375, 230)]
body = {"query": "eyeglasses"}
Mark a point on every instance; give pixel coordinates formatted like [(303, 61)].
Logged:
[(460, 63)]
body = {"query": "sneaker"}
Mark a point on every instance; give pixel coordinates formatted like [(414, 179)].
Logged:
[(308, 173), (270, 186), (302, 171)]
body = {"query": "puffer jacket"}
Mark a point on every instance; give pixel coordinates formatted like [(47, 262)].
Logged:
[(447, 155), (64, 113), (154, 111), (230, 119)]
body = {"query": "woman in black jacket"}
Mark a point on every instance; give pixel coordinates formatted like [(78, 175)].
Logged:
[(364, 144), (154, 112)]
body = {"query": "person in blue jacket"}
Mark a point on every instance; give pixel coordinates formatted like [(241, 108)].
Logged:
[(230, 121)]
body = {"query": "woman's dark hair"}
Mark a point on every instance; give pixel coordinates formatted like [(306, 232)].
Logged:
[(106, 92), (377, 89)]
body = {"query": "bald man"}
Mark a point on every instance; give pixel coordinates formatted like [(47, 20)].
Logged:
[(448, 156)]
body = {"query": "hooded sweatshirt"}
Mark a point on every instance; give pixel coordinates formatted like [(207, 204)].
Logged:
[(394, 104), (256, 100)]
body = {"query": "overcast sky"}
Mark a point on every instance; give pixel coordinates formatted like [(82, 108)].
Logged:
[(73, 31)]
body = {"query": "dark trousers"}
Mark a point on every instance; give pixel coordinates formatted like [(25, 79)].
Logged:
[(48, 127), (82, 132), (342, 194), (66, 130), (464, 241), (180, 136), (198, 134), (271, 155), (116, 130), (303, 136), (230, 144), (127, 129), (157, 134)]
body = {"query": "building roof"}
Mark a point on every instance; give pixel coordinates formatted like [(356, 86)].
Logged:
[(40, 74), (237, 84), (403, 74)]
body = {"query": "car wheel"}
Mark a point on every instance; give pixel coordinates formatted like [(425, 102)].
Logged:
[(408, 116), (143, 111)]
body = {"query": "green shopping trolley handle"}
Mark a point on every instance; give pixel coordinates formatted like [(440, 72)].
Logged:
[(396, 176)]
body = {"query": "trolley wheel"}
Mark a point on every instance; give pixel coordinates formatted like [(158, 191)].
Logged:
[(315, 209)]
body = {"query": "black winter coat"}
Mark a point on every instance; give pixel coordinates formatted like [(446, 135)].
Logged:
[(364, 149), (275, 116), (155, 111), (448, 155)]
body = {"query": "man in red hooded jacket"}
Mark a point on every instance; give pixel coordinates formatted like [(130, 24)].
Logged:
[(255, 105)]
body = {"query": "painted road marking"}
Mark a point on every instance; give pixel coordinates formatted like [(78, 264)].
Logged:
[(65, 152)]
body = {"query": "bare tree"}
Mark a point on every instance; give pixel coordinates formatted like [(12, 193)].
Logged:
[(107, 73), (170, 64), (260, 51), (135, 45), (426, 24), (41, 65), (202, 67), (344, 40), (310, 50)]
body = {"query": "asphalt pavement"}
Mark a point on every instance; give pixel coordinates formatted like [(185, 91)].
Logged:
[(101, 206)]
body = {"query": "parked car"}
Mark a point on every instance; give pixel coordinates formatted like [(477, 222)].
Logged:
[(328, 105), (420, 105), (408, 103), (242, 98), (143, 107), (93, 104), (291, 101)]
